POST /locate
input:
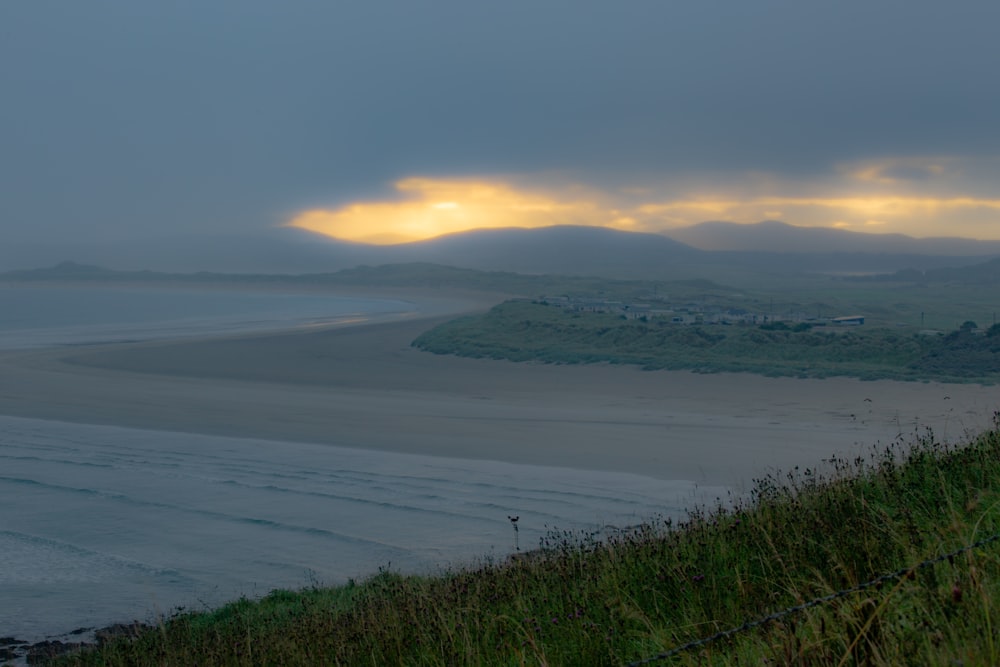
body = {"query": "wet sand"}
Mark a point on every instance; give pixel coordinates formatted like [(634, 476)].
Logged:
[(365, 386)]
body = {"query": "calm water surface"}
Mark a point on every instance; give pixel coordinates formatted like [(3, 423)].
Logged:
[(42, 316), (102, 524)]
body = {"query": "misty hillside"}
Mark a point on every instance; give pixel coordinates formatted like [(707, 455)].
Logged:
[(567, 250), (778, 237), (985, 274), (766, 246), (271, 251), (411, 274), (774, 248)]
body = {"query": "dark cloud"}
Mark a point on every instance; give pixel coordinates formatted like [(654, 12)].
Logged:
[(122, 117)]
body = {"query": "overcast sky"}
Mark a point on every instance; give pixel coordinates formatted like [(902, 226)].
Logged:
[(394, 120)]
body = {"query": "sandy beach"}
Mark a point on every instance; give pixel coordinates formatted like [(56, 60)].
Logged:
[(364, 386)]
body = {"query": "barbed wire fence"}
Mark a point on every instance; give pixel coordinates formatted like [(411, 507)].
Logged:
[(764, 620)]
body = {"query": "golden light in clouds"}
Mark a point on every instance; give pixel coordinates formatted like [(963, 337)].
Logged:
[(911, 215), (431, 207), (894, 171)]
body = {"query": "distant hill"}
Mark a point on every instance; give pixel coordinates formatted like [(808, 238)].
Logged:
[(984, 274), (778, 237), (595, 251), (771, 247), (269, 251), (70, 271), (566, 250), (413, 274), (553, 250)]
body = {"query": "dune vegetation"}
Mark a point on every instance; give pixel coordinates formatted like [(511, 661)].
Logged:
[(532, 331), (891, 557)]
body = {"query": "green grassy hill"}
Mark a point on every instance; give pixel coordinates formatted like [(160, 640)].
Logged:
[(904, 519), (523, 331)]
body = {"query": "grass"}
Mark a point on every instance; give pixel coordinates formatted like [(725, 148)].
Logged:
[(580, 601), (523, 331)]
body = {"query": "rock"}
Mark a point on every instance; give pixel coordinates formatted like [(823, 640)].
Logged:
[(41, 652), (12, 649)]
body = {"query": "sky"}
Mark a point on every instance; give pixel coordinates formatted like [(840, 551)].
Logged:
[(393, 121)]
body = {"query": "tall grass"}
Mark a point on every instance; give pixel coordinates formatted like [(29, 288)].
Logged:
[(577, 600)]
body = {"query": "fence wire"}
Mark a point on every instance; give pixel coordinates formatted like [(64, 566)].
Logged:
[(756, 623)]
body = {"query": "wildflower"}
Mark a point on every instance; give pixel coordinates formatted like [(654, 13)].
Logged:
[(698, 578)]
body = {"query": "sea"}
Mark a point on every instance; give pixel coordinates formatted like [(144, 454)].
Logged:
[(41, 316), (101, 524)]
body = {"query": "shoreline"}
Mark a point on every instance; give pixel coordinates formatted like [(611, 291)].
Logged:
[(325, 308), (364, 386), (144, 510)]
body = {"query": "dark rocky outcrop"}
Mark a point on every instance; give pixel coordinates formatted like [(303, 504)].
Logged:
[(13, 650)]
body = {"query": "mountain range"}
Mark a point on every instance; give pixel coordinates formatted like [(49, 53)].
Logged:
[(769, 246), (775, 236)]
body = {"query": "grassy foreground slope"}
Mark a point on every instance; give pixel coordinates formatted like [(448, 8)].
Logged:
[(526, 331), (576, 601)]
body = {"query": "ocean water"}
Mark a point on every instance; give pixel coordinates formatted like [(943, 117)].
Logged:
[(44, 316), (101, 524)]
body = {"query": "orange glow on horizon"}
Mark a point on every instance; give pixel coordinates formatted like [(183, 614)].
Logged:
[(427, 208), (433, 208)]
